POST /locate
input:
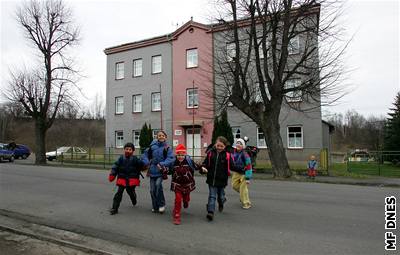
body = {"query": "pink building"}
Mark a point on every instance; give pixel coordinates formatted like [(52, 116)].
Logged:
[(192, 79)]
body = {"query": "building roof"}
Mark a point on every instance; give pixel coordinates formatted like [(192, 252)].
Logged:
[(157, 39), (211, 28)]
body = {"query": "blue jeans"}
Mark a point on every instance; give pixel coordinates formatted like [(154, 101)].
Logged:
[(156, 192), (215, 192)]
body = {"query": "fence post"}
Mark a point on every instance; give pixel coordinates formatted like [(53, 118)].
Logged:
[(104, 160), (379, 162)]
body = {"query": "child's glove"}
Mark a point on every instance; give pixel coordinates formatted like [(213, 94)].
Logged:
[(111, 178), (248, 174)]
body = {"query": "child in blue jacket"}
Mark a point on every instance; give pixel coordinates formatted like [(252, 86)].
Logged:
[(158, 157), (127, 171)]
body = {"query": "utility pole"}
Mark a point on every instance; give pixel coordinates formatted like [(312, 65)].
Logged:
[(193, 118)]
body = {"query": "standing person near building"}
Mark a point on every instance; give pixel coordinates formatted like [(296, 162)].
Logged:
[(312, 167), (127, 171), (158, 157), (217, 166), (182, 181), (241, 181)]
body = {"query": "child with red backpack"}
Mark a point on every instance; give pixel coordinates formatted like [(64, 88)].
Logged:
[(182, 181), (127, 171), (217, 166)]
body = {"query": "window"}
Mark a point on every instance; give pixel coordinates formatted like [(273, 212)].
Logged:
[(136, 138), (119, 139), (261, 139), (156, 64), (260, 48), (156, 101), (192, 98), (137, 103), (137, 67), (294, 45), (236, 133), (258, 97), (191, 58), (293, 96), (119, 105), (230, 51), (119, 71), (295, 137), (155, 131)]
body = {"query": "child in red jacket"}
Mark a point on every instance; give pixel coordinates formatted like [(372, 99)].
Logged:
[(127, 171), (182, 181)]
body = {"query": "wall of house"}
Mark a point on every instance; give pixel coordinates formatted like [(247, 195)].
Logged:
[(183, 78), (144, 85)]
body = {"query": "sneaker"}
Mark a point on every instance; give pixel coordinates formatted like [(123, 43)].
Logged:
[(113, 211), (185, 204), (134, 201), (210, 216), (161, 209), (154, 211), (246, 206)]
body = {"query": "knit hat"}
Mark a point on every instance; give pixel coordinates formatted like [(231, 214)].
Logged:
[(241, 141), (180, 148)]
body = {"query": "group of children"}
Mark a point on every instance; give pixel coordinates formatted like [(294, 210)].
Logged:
[(160, 161)]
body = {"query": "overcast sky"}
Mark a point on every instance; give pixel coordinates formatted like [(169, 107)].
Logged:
[(373, 53)]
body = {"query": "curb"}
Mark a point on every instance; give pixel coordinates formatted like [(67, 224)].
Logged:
[(55, 241), (65, 238)]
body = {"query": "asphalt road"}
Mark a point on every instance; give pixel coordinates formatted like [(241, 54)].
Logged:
[(287, 217)]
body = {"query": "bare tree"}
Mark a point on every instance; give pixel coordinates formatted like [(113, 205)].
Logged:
[(48, 26), (267, 55)]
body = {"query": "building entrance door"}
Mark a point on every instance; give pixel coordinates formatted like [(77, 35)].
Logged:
[(193, 142)]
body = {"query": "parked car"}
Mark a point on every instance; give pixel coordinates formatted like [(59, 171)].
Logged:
[(20, 150), (67, 152), (6, 153)]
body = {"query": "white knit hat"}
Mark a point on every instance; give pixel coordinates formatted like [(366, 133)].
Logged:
[(241, 141)]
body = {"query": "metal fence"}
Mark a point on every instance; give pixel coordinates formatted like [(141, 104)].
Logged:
[(382, 163)]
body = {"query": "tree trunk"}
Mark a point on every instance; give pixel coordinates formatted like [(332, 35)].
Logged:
[(276, 150), (40, 133)]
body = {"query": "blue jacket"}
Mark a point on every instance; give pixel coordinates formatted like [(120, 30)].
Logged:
[(158, 157)]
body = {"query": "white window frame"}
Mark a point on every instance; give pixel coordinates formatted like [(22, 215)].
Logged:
[(230, 51), (294, 45), (156, 64), (261, 144), (155, 131), (191, 96), (137, 67), (137, 103), (260, 48), (136, 138), (293, 96), (119, 139), (119, 105), (154, 107), (295, 145), (192, 58), (119, 70), (236, 130), (258, 97)]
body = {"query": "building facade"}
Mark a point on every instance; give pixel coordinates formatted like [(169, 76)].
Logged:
[(169, 81)]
